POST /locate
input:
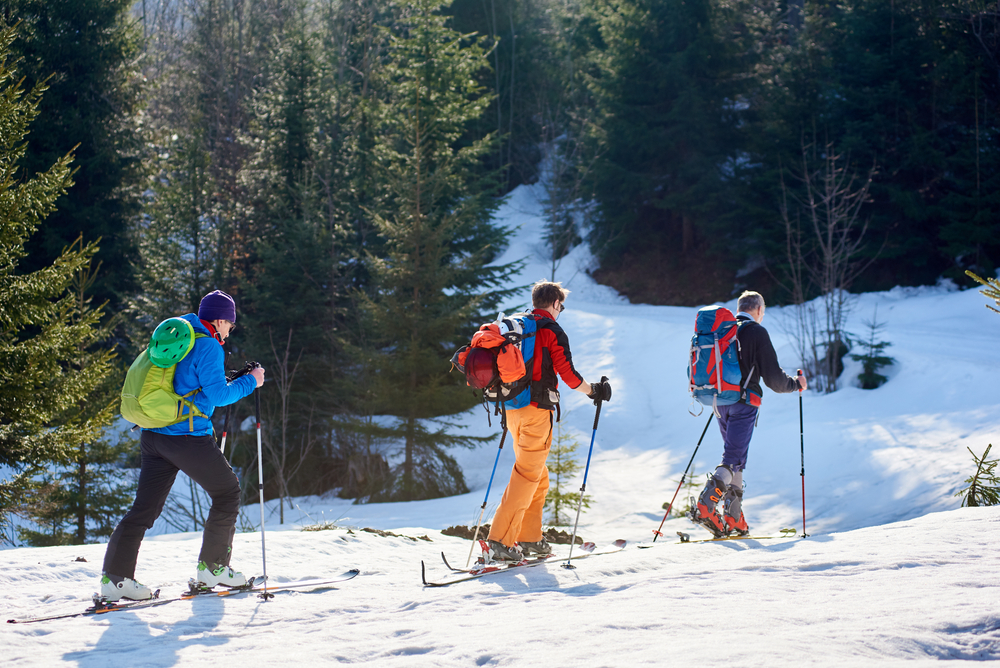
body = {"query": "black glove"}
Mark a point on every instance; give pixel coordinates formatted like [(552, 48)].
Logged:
[(600, 391)]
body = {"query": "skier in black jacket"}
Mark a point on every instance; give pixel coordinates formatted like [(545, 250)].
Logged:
[(736, 422)]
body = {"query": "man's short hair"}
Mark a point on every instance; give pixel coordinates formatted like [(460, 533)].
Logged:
[(750, 301), (546, 293)]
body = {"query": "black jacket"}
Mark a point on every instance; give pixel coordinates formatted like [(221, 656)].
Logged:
[(758, 360)]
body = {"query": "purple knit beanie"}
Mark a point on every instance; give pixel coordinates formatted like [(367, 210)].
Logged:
[(217, 305)]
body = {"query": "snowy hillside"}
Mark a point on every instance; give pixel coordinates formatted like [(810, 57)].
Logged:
[(893, 570)]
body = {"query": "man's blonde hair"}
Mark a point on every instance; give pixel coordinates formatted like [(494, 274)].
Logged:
[(546, 293)]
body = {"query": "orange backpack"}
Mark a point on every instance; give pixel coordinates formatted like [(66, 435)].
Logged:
[(493, 361)]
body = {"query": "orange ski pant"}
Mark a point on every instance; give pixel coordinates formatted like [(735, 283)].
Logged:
[(519, 517)]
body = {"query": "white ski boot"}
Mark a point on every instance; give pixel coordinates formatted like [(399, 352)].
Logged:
[(114, 588), (208, 577)]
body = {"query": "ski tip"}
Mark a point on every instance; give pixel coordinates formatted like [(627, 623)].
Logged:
[(621, 542), (423, 572), (588, 547)]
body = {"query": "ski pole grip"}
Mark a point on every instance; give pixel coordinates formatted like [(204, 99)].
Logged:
[(799, 373)]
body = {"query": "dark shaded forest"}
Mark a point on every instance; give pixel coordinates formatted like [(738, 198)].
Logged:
[(335, 164)]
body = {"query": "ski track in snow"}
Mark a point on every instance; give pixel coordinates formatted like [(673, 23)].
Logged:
[(893, 570)]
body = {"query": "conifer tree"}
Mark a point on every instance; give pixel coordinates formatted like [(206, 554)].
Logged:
[(874, 357), (666, 121), (49, 359), (563, 466), (295, 294), (991, 291), (88, 53), (82, 499), (434, 218), (984, 484)]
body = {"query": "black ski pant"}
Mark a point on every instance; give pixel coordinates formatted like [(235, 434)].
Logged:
[(162, 456)]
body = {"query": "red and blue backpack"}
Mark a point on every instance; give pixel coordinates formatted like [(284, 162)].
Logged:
[(714, 374)]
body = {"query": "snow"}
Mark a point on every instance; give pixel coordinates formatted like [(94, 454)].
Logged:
[(894, 570)]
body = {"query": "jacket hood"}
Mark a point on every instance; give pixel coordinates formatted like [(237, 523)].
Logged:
[(196, 323)]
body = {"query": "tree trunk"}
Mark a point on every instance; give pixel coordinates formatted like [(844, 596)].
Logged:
[(687, 233)]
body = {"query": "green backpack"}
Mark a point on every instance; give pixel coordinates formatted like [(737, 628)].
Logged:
[(148, 397)]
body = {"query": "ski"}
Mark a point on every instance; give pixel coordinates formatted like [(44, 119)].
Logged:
[(254, 585), (586, 547), (463, 575), (101, 607), (480, 567), (316, 583), (686, 538)]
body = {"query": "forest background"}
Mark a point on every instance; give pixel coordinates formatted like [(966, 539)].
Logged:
[(334, 165)]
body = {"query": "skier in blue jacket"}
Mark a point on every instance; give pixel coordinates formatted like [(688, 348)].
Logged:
[(187, 446)]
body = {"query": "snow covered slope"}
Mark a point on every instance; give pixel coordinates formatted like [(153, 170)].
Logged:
[(893, 570)]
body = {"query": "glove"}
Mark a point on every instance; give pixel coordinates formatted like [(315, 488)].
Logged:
[(600, 391)]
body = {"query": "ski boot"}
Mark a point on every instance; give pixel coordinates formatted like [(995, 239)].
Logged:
[(736, 523), (496, 551), (208, 577), (704, 511), (115, 588), (541, 548)]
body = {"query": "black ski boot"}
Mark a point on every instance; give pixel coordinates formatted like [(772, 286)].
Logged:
[(736, 523), (541, 548), (704, 511), (497, 552)]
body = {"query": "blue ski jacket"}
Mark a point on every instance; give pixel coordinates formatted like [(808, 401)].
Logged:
[(204, 367)]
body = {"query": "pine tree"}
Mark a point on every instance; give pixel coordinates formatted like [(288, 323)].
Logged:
[(88, 53), (434, 218), (82, 499), (50, 355), (992, 290), (984, 484), (874, 357), (295, 289), (563, 467), (666, 122)]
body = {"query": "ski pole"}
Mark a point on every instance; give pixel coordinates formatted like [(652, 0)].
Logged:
[(656, 532), (225, 429), (802, 454), (225, 421), (583, 487), (250, 366), (260, 483), (479, 522)]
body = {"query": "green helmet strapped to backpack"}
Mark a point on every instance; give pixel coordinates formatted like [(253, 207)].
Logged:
[(148, 397), (172, 340)]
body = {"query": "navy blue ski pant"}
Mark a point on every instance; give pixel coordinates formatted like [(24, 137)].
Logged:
[(736, 423), (162, 456)]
